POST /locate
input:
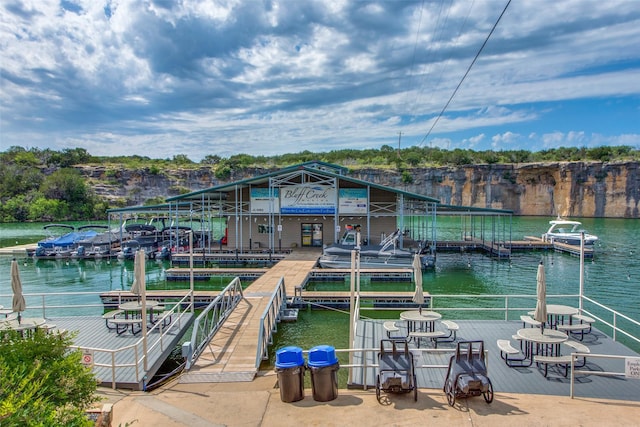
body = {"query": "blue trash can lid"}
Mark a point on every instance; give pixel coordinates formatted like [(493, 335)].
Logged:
[(289, 357), (322, 355)]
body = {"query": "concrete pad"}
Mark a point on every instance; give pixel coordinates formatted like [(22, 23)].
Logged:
[(258, 403)]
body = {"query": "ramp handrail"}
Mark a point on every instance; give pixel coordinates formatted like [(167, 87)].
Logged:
[(269, 321), (210, 320)]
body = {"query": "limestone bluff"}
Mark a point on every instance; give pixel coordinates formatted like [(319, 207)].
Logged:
[(572, 189)]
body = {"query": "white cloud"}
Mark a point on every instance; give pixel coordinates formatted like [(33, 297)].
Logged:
[(222, 77)]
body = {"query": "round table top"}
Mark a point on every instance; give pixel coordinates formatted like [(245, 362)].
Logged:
[(549, 336), (561, 310), (415, 315), (136, 306)]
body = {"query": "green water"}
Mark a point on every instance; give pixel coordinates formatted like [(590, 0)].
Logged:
[(612, 278)]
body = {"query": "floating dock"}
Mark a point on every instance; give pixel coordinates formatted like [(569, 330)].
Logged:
[(558, 247), (316, 274)]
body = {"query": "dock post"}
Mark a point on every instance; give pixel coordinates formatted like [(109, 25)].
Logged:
[(187, 354)]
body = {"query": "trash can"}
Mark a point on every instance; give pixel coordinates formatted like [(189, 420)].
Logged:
[(290, 370), (323, 364)]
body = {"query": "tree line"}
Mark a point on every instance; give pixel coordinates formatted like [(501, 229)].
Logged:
[(43, 185)]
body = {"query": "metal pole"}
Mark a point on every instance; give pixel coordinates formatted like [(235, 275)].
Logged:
[(191, 270), (143, 307), (351, 313), (581, 270)]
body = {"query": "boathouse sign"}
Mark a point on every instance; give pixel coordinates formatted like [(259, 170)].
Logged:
[(308, 199), (264, 201)]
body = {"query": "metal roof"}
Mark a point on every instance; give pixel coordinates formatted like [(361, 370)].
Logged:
[(445, 209), (184, 201), (309, 167), (165, 207)]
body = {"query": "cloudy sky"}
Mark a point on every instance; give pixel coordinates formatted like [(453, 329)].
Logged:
[(196, 77)]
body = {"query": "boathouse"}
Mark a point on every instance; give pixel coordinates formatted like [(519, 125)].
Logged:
[(311, 205)]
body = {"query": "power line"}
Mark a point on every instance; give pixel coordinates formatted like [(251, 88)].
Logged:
[(467, 72)]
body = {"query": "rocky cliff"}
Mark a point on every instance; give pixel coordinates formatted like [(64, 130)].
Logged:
[(575, 189)]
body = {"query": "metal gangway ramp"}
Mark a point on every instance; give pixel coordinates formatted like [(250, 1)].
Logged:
[(240, 343)]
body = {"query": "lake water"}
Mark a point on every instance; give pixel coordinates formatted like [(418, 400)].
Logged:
[(612, 277)]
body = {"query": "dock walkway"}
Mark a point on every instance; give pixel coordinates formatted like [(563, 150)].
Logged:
[(232, 353)]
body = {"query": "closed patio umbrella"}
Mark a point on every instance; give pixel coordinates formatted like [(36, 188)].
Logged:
[(139, 287), (138, 273), (418, 296), (18, 304), (541, 303)]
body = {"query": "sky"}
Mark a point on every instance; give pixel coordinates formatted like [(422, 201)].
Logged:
[(161, 78)]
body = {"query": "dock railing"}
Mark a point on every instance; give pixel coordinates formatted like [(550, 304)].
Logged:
[(269, 321), (119, 358), (210, 320), (574, 371)]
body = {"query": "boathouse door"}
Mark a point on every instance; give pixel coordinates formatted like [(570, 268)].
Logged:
[(311, 235)]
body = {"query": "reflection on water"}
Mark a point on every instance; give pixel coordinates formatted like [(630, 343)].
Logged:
[(612, 277)]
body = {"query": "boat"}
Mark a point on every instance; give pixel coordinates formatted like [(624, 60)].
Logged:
[(568, 232), (385, 255), (61, 246), (142, 236), (99, 246)]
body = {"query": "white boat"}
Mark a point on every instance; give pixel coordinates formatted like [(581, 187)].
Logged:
[(569, 232), (384, 255)]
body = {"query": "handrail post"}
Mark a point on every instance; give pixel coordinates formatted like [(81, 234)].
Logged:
[(113, 370), (572, 377)]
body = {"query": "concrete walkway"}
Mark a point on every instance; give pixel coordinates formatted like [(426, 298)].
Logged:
[(258, 403)]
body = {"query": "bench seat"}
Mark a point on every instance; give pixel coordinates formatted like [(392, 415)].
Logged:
[(123, 324), (577, 347), (452, 328), (110, 315), (563, 361), (506, 347), (584, 320), (390, 327), (507, 350), (578, 329), (529, 321)]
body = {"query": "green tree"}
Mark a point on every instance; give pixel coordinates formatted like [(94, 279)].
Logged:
[(68, 186), (210, 159), (42, 382), (15, 209), (181, 159), (43, 209)]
